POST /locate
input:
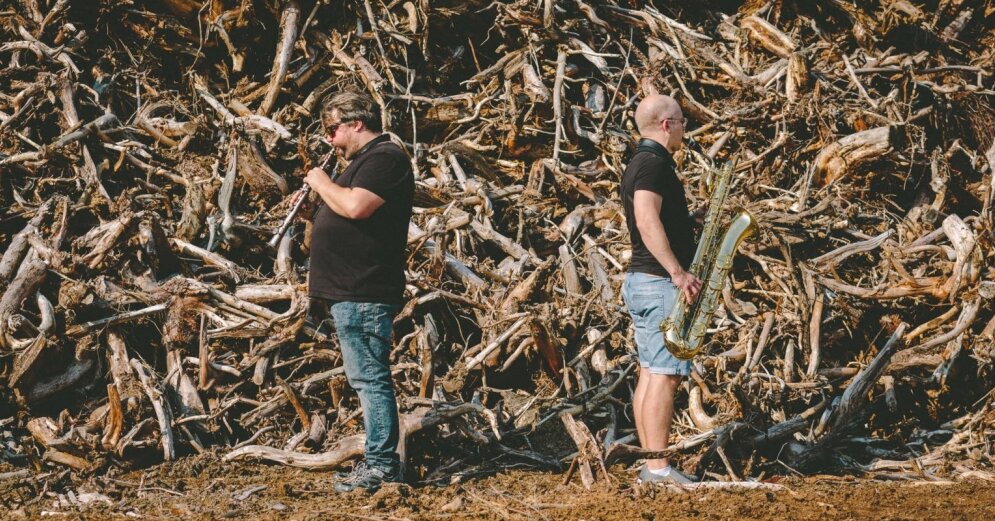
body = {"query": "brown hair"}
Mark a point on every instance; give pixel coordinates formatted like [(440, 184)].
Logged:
[(353, 106)]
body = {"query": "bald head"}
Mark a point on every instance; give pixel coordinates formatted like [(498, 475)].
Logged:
[(653, 109), (660, 118)]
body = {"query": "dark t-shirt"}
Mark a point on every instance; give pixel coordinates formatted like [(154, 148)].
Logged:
[(652, 168), (362, 260)]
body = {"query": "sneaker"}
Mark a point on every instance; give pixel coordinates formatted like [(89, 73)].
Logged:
[(675, 476), (368, 478), (346, 474)]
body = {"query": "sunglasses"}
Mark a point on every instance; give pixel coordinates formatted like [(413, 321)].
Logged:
[(331, 129), (684, 121)]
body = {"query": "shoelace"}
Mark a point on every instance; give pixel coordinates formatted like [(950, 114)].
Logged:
[(359, 469)]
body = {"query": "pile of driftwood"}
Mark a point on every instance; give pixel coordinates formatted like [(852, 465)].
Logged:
[(149, 148)]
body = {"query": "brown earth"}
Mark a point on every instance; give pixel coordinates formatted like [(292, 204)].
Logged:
[(203, 487)]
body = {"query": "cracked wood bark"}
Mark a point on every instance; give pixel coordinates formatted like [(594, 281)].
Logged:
[(289, 19)]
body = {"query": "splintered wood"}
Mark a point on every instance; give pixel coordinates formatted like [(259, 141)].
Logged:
[(148, 150)]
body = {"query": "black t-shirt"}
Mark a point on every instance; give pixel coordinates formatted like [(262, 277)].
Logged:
[(652, 168), (362, 260)]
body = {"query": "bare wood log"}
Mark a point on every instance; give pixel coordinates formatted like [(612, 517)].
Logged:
[(768, 36), (284, 267), (840, 157), (815, 337), (86, 327), (784, 430), (966, 268), (181, 387), (351, 446), (209, 258), (796, 81), (701, 419), (107, 241), (599, 274), (922, 355), (521, 293), (571, 279), (126, 387), (194, 212), (114, 423), (73, 375), (954, 28), (456, 268), (18, 246), (89, 169), (25, 283), (27, 362), (253, 123), (534, 87), (476, 359), (45, 433), (589, 451), (838, 255), (428, 339), (507, 245), (162, 411), (256, 170), (302, 415), (289, 18), (855, 396), (263, 293), (203, 355), (561, 66)]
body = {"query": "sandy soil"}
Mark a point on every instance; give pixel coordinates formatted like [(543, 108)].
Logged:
[(203, 487)]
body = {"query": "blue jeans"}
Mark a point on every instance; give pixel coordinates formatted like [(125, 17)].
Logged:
[(649, 299), (364, 330)]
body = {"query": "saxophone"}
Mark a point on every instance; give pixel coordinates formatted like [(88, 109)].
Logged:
[(684, 329)]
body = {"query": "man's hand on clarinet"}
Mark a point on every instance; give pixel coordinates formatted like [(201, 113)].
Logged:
[(689, 285), (315, 178)]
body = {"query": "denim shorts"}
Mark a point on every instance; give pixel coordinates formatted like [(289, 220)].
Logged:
[(649, 299)]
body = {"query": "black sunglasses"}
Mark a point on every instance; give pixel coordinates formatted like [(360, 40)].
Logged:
[(331, 129)]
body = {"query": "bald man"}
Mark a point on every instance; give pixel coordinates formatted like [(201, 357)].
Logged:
[(656, 213)]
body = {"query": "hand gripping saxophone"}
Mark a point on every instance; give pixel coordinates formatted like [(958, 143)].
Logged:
[(684, 330)]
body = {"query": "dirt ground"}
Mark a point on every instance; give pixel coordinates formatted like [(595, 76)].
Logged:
[(204, 487)]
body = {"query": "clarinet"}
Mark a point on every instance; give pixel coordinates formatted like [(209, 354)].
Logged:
[(302, 194)]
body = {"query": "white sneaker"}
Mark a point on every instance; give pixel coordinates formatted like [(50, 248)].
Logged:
[(674, 476)]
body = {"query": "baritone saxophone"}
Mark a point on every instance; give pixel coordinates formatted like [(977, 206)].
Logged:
[(684, 329)]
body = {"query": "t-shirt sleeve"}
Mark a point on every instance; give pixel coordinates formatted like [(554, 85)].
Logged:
[(383, 174), (647, 177)]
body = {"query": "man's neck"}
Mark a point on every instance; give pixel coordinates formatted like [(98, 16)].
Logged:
[(361, 141), (662, 139)]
